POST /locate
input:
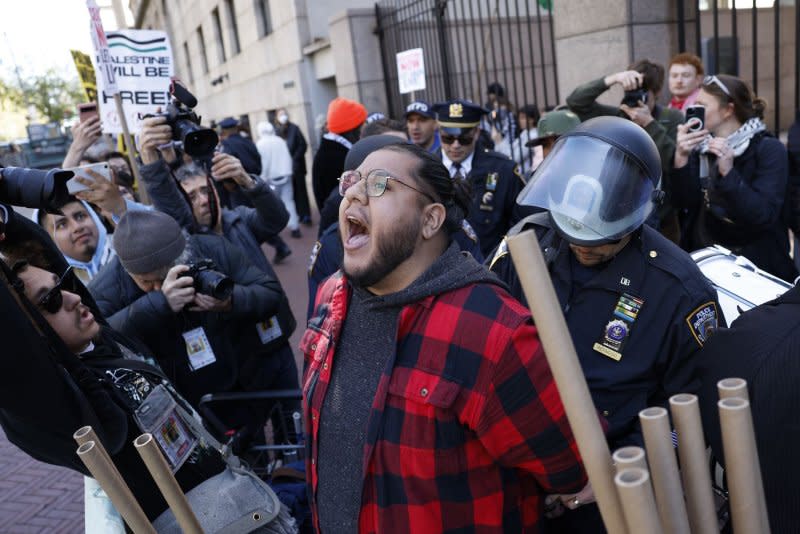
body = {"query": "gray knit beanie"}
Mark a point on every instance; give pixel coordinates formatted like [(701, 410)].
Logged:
[(146, 241)]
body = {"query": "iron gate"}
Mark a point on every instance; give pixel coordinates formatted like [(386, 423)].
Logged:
[(468, 44), (755, 40)]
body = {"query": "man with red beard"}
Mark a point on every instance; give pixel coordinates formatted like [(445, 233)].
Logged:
[(428, 400)]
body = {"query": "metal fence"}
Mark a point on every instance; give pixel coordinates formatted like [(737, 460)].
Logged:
[(468, 44), (757, 44)]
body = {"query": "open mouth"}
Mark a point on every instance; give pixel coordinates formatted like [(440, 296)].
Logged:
[(357, 233)]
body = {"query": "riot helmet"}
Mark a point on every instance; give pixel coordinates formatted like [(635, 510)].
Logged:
[(599, 183)]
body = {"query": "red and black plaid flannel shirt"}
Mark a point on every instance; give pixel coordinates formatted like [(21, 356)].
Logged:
[(467, 431)]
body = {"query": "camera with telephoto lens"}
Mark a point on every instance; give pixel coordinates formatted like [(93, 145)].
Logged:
[(209, 281), (198, 142), (34, 188), (632, 98)]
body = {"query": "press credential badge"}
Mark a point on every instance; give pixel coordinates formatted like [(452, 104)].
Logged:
[(198, 348)]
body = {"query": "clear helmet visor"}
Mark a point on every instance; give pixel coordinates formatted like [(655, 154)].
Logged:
[(595, 192)]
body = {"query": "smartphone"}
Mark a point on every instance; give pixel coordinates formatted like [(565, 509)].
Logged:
[(73, 186), (87, 111), (696, 118)]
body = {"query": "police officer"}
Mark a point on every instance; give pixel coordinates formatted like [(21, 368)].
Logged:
[(494, 179), (636, 305)]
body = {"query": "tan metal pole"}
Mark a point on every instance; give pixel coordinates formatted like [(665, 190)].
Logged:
[(664, 470), (161, 473), (694, 464), (101, 468), (626, 457), (748, 504), (567, 372), (637, 500)]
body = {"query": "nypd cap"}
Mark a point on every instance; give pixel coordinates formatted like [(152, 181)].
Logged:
[(420, 107)]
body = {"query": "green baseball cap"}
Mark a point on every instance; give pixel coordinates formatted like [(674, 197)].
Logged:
[(554, 124)]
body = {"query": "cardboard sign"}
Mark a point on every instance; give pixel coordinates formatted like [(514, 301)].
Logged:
[(142, 65), (86, 74), (411, 70), (103, 55)]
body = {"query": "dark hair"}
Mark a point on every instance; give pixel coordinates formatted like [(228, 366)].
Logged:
[(687, 58), (189, 170), (116, 155), (453, 194), (531, 111), (653, 74), (354, 134), (381, 126), (746, 105)]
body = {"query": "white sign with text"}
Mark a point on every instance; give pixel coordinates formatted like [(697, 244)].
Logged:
[(411, 70), (142, 64)]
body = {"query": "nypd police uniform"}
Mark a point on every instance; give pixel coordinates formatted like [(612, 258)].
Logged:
[(637, 321), (495, 180)]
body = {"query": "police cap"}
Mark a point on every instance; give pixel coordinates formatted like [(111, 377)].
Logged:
[(420, 107), (458, 115)]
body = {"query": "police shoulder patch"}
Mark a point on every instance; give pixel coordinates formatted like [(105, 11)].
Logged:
[(312, 260), (703, 321)]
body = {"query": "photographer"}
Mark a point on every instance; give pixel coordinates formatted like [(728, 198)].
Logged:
[(192, 201), (642, 83), (730, 178), (147, 293)]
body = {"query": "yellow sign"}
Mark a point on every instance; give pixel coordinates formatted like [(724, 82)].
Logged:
[(86, 73)]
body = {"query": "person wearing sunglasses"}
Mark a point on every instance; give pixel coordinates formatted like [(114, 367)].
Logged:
[(417, 355), (637, 307), (93, 375), (730, 178), (494, 179)]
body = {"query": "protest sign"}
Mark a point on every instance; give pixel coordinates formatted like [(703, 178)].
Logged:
[(102, 54), (411, 70), (142, 66), (86, 74)]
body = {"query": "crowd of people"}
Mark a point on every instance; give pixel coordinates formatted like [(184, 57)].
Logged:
[(428, 404)]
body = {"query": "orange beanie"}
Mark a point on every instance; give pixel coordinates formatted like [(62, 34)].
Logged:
[(345, 115)]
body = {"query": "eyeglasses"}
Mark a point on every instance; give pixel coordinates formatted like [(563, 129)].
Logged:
[(52, 301), (463, 139), (376, 183), (713, 80)]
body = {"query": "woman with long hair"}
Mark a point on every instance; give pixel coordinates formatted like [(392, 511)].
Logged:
[(730, 176)]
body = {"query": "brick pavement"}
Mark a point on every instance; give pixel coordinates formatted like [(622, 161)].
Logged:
[(35, 497), (40, 498)]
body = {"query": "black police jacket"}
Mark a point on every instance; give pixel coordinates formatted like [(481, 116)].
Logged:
[(762, 347), (637, 324), (496, 181), (245, 151)]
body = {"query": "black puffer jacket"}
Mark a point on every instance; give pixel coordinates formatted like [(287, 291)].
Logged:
[(148, 317)]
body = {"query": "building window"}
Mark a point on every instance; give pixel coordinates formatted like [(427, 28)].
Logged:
[(218, 35), (202, 43), (264, 18), (233, 27), (188, 62)]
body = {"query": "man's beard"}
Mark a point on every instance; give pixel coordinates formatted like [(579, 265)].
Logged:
[(391, 252)]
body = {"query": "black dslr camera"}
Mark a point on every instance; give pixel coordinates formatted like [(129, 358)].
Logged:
[(209, 281), (632, 98), (198, 142)]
